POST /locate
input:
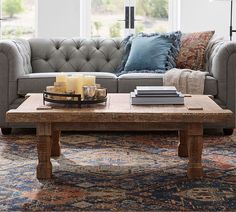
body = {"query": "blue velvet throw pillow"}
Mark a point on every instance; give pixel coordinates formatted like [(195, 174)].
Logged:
[(152, 52)]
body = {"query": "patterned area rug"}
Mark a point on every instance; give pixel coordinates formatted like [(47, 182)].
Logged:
[(119, 172)]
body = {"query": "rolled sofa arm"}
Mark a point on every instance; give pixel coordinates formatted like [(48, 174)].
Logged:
[(223, 68), (14, 61)]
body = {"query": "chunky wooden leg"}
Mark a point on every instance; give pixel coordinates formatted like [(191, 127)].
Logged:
[(44, 168), (56, 147), (228, 131), (183, 144), (6, 131), (195, 145)]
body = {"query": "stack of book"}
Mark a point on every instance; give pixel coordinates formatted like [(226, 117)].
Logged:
[(156, 95)]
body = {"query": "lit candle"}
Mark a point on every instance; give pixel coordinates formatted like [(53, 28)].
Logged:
[(89, 80)]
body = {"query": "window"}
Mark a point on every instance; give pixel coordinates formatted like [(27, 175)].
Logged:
[(109, 18), (18, 18)]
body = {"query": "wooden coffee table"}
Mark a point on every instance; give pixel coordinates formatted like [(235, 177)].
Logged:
[(119, 115)]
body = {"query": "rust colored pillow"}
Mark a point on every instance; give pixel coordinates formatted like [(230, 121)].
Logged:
[(192, 50)]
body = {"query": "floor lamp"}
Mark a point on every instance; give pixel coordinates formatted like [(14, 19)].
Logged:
[(231, 30)]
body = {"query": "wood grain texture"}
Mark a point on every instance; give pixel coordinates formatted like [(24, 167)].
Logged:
[(56, 146), (195, 146), (44, 167), (183, 143), (118, 109), (44, 129), (116, 126), (119, 115)]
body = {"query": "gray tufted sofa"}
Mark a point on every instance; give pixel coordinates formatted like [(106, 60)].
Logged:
[(28, 66)]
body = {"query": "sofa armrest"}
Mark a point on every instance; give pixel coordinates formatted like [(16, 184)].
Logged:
[(14, 62), (223, 68)]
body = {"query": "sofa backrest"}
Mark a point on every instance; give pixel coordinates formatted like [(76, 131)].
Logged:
[(212, 49), (75, 55)]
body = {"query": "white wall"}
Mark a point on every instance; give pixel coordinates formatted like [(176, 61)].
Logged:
[(58, 18), (201, 15)]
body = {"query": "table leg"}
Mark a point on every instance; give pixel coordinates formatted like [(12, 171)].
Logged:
[(195, 146), (183, 144), (56, 147), (44, 167)]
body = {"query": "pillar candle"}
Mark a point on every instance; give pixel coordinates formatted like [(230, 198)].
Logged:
[(50, 89), (71, 84), (61, 77), (89, 80), (79, 85)]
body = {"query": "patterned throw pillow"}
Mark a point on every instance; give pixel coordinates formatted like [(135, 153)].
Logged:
[(192, 51)]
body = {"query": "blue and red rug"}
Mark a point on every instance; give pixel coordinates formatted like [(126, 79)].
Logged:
[(117, 172)]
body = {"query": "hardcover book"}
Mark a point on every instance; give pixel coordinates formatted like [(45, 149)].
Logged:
[(176, 94), (156, 89), (149, 100)]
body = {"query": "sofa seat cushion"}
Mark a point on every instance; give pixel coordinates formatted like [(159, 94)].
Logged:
[(128, 82), (37, 82)]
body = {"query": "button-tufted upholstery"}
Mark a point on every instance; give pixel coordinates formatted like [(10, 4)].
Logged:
[(23, 48), (28, 66), (75, 55)]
